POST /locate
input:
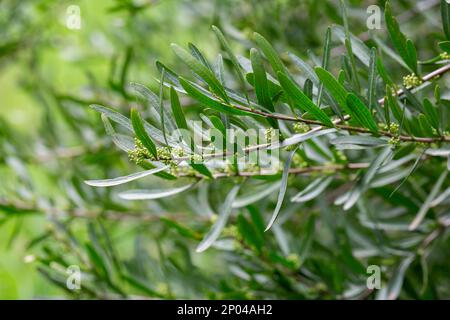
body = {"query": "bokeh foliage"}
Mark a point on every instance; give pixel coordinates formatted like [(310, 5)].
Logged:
[(51, 141)]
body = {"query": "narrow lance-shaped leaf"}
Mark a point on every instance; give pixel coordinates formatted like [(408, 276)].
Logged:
[(152, 194), (364, 183), (197, 54), (361, 113), (224, 215), (325, 62), (302, 101), (177, 111), (122, 180), (270, 53), (260, 80), (308, 88), (141, 134), (336, 89), (283, 187), (161, 106), (208, 101), (445, 14), (313, 190), (404, 47), (431, 113), (205, 73), (348, 45), (427, 204), (372, 81), (255, 195), (223, 41)]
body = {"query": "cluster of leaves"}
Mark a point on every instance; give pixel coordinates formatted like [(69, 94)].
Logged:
[(353, 139)]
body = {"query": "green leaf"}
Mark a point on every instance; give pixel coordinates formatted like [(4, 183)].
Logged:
[(161, 106), (218, 124), (249, 233), (404, 47), (125, 179), (224, 215), (371, 92), (360, 50), (114, 116), (364, 141), (255, 195), (141, 134), (431, 113), (205, 73), (199, 56), (302, 101), (223, 41), (152, 194), (336, 90), (260, 80), (98, 261), (210, 102), (445, 14), (445, 46), (325, 62), (364, 183), (360, 113), (395, 284), (348, 45), (270, 53), (283, 188), (202, 169), (308, 89), (307, 239), (313, 190), (427, 204), (181, 229), (177, 110)]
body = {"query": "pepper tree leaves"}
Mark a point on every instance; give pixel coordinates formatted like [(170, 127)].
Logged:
[(224, 215), (300, 100), (223, 41), (270, 53), (445, 14), (177, 111), (124, 179), (426, 205), (283, 188), (210, 102), (260, 80), (361, 113), (141, 134), (205, 73), (152, 194), (364, 183), (404, 46)]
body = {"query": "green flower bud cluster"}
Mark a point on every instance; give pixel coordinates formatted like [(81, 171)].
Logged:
[(412, 81), (294, 259), (252, 167), (139, 153), (341, 156), (300, 127), (392, 127), (176, 170), (268, 135), (445, 56), (394, 141), (165, 154), (231, 231)]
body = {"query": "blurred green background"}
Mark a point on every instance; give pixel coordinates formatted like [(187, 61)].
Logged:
[(50, 141)]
